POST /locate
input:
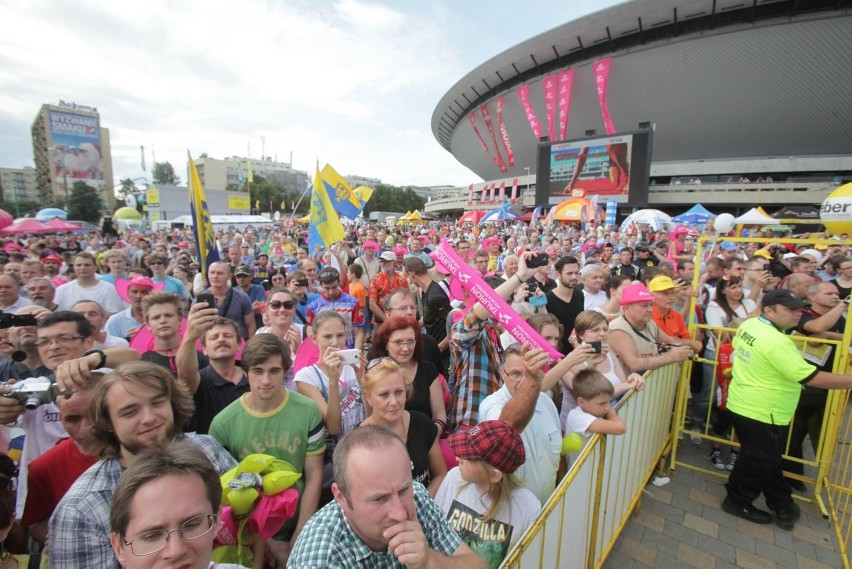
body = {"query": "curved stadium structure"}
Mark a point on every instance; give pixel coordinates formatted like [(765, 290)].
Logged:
[(733, 89)]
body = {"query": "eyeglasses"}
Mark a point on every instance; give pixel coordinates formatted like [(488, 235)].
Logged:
[(150, 542), (386, 361), (152, 263), (403, 343), (61, 340), (276, 304), (407, 308)]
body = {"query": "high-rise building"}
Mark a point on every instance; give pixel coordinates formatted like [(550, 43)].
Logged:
[(69, 145), (19, 184), (232, 173)]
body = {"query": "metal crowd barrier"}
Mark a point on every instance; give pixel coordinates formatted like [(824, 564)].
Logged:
[(582, 520)]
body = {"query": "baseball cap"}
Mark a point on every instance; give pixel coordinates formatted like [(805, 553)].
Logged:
[(637, 292), (49, 258), (659, 244), (593, 251), (659, 284), (783, 297), (242, 270), (328, 275), (388, 256), (763, 253), (122, 286), (642, 246), (728, 246), (496, 443)]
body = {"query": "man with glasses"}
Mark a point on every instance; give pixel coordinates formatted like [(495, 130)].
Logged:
[(183, 534), (757, 279), (386, 281), (333, 298), (158, 263), (135, 407), (88, 287)]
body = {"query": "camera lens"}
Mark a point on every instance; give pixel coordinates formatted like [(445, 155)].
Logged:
[(32, 402)]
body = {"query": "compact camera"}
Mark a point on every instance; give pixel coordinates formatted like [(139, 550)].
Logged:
[(33, 393), (8, 320)]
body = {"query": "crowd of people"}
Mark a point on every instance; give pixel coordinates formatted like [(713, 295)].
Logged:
[(421, 431)]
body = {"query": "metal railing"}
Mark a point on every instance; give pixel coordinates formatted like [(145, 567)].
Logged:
[(580, 523)]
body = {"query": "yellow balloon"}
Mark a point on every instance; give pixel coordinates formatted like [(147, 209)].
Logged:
[(836, 210), (571, 442), (242, 500)]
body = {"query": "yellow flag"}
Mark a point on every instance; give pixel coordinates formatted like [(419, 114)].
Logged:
[(363, 193), (325, 228), (344, 201), (202, 228), (250, 174)]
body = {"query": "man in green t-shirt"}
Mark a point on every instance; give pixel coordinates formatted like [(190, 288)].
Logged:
[(768, 378)]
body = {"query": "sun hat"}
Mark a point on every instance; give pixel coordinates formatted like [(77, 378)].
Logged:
[(661, 283), (679, 230), (388, 256), (122, 286), (636, 292), (496, 443)]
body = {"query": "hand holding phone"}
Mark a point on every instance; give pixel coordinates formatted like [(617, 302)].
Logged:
[(208, 298)]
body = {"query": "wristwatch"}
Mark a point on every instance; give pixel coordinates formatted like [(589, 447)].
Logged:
[(101, 355)]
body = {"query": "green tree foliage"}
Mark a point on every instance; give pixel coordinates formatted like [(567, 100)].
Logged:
[(86, 203), (128, 186), (394, 198), (267, 191), (164, 173), (25, 208)]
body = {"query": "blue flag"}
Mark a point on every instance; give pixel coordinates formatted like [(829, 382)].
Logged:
[(343, 199)]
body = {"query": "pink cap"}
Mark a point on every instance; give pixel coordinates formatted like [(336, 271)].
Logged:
[(370, 245), (488, 240), (54, 258), (123, 285), (680, 230), (636, 292)]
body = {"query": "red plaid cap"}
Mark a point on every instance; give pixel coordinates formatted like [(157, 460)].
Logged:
[(495, 442)]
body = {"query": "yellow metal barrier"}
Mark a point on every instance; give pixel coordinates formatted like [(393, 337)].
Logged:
[(581, 521)]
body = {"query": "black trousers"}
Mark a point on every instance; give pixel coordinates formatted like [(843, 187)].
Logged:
[(758, 468), (807, 421)]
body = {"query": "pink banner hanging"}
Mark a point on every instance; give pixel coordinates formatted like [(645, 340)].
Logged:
[(496, 306), (472, 118), (504, 134), (514, 190), (486, 114), (491, 194), (524, 95), (566, 80), (502, 192), (549, 85), (484, 194), (470, 195), (601, 80)]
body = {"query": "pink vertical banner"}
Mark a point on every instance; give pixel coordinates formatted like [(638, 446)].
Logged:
[(472, 118), (486, 115), (514, 190), (566, 81), (484, 194), (504, 134), (470, 195), (524, 95), (502, 192), (491, 194), (549, 84), (601, 80)]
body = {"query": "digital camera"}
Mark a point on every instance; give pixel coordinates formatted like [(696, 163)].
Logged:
[(33, 393)]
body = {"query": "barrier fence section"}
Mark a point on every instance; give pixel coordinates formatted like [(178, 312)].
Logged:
[(838, 480), (581, 521)]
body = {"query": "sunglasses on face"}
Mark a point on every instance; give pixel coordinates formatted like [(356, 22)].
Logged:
[(277, 304)]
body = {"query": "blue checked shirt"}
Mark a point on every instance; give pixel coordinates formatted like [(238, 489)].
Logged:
[(79, 527), (327, 540)]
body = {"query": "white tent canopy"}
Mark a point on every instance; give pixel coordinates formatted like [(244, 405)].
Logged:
[(221, 221), (653, 217), (754, 217)]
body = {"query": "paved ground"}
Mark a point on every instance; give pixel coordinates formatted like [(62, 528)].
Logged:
[(682, 525)]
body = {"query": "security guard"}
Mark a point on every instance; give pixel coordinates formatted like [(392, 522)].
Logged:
[(768, 378)]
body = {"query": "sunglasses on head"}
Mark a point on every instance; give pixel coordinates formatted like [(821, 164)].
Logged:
[(385, 361), (276, 304)]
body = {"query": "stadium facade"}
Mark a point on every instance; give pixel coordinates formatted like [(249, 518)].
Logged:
[(734, 91)]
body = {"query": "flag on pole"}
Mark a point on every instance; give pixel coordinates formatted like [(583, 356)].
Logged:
[(344, 201), (484, 194), (256, 204), (283, 205), (363, 193), (202, 228), (250, 173), (142, 150), (325, 227)]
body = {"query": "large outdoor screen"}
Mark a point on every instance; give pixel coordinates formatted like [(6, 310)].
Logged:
[(616, 166)]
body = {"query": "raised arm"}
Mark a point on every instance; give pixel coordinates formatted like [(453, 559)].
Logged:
[(201, 318)]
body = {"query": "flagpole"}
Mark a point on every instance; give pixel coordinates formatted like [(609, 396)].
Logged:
[(293, 214)]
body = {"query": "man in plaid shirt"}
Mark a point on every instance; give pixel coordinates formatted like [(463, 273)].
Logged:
[(476, 351)]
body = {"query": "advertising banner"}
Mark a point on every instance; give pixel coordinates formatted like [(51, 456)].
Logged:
[(498, 159), (240, 202), (152, 198), (566, 80), (601, 82), (504, 134), (76, 144), (470, 195), (549, 84), (524, 95)]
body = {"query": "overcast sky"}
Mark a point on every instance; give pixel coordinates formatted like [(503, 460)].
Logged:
[(352, 82)]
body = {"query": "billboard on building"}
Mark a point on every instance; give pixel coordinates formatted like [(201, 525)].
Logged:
[(76, 146)]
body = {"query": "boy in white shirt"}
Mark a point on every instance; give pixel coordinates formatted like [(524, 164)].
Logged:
[(594, 412)]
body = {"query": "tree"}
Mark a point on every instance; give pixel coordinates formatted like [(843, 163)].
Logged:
[(164, 173), (86, 203), (394, 198), (128, 186)]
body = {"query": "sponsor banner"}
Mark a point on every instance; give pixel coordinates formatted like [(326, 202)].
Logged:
[(241, 202), (491, 194), (549, 85), (524, 95), (470, 195), (152, 198), (566, 81), (611, 210), (514, 190), (504, 134), (601, 81), (486, 115), (472, 118), (496, 306), (76, 143), (484, 194), (502, 196)]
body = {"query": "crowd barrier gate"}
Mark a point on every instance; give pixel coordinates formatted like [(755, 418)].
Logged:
[(579, 524)]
